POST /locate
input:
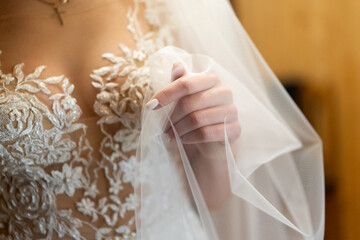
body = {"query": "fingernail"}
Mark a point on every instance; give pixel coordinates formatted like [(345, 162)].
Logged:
[(152, 104), (177, 71)]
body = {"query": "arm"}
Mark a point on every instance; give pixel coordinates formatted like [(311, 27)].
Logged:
[(201, 106)]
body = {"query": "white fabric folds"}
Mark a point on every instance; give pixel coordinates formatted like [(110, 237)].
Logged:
[(275, 168)]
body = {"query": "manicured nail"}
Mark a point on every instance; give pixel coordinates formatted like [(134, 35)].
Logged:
[(152, 104), (177, 71)]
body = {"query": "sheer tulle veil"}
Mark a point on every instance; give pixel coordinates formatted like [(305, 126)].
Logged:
[(275, 167)]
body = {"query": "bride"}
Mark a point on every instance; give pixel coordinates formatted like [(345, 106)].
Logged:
[(148, 119)]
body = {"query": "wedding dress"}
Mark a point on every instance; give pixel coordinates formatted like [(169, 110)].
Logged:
[(56, 183)]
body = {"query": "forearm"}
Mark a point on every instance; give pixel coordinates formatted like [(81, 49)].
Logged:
[(210, 168), (202, 104)]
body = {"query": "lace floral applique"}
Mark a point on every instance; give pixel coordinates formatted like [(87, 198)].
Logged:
[(28, 193), (22, 117), (44, 152)]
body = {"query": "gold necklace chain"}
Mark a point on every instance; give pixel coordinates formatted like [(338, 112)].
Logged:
[(55, 6)]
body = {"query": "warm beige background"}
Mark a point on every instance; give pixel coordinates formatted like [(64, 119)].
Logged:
[(318, 42)]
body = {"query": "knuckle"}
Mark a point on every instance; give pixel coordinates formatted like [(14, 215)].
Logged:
[(231, 114), (185, 85), (163, 97), (238, 129), (205, 134), (185, 105), (235, 132), (227, 93), (234, 111), (214, 78), (196, 119)]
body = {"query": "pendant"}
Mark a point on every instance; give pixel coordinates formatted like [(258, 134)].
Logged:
[(55, 6)]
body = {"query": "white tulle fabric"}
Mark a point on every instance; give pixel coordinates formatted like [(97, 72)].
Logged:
[(275, 167)]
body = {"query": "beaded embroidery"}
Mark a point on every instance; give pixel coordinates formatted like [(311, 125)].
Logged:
[(44, 152)]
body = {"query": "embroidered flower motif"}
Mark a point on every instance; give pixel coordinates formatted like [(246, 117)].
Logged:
[(34, 135), (115, 186), (66, 111), (68, 103), (131, 202), (125, 105), (139, 55), (68, 180), (91, 191), (26, 195), (128, 139), (18, 116), (87, 207), (129, 170), (105, 97), (123, 230), (6, 78), (57, 151)]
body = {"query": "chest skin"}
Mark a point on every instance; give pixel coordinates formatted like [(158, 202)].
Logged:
[(75, 50), (34, 36)]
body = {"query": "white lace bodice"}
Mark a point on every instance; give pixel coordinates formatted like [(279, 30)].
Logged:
[(54, 184)]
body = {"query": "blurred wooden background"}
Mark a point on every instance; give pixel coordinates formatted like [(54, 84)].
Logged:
[(316, 45)]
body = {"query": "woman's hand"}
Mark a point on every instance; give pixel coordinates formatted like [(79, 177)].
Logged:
[(202, 105)]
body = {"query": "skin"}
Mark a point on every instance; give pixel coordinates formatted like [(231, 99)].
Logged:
[(202, 103)]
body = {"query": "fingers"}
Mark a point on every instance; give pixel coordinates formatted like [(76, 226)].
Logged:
[(202, 104), (213, 133), (178, 71), (183, 86), (206, 117), (209, 98)]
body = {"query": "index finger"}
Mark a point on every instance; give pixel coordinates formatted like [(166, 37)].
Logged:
[(182, 87)]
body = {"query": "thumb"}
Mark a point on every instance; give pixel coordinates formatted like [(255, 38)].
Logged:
[(177, 71)]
